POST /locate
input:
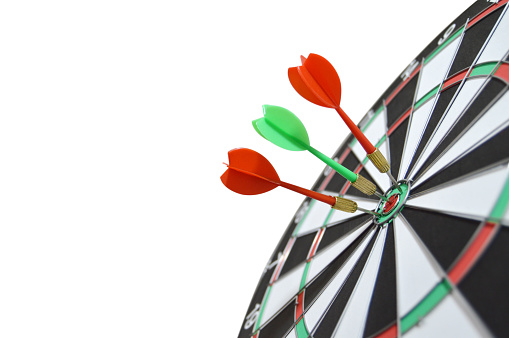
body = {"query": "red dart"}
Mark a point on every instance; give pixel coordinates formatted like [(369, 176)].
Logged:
[(249, 173), (318, 82)]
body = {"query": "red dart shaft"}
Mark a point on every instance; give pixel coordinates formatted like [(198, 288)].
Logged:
[(359, 135), (309, 193)]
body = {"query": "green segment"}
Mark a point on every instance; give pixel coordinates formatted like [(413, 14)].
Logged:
[(304, 276), (443, 45), (302, 332), (426, 97), (264, 302), (501, 206), (425, 306), (484, 69)]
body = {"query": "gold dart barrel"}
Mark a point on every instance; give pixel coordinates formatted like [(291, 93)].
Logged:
[(379, 161), (344, 204), (364, 185)]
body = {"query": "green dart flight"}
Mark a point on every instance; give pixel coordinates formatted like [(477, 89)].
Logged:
[(283, 128)]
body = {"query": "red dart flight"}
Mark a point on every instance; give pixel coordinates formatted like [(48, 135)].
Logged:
[(249, 173), (317, 81)]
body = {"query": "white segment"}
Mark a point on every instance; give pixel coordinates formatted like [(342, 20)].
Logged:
[(465, 94), (488, 123), (418, 124), (292, 334), (447, 319), (341, 215), (434, 72), (498, 45), (315, 218), (354, 317), (471, 197), (374, 132), (319, 307), (416, 275), (325, 257), (283, 290)]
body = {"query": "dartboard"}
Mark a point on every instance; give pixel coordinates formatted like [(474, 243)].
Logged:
[(435, 261)]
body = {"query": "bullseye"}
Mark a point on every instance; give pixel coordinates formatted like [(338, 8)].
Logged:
[(396, 197), (390, 204)]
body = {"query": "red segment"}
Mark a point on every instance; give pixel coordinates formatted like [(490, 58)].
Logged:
[(472, 253), (314, 247), (486, 12), (454, 79), (391, 203), (391, 332), (403, 84), (299, 310), (503, 72)]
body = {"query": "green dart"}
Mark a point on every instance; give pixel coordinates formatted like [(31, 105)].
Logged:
[(281, 127)]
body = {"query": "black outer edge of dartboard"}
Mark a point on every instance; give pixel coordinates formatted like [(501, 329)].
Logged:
[(471, 12)]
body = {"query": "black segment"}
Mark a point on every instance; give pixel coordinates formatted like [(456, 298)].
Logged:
[(298, 253), (382, 310), (401, 102), (328, 324), (493, 151), (445, 236), (473, 41), (316, 286), (338, 230), (280, 324), (336, 183), (442, 103), (396, 144), (485, 98), (486, 285)]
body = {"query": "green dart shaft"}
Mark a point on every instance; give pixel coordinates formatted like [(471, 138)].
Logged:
[(346, 173)]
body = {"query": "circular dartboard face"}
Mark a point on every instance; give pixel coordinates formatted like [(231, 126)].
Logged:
[(436, 262)]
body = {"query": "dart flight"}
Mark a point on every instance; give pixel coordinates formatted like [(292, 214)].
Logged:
[(318, 82), (249, 173), (283, 128)]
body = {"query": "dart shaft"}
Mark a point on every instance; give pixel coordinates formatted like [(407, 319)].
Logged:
[(309, 193), (346, 173), (359, 135)]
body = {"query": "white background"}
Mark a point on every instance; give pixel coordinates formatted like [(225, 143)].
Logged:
[(115, 118)]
